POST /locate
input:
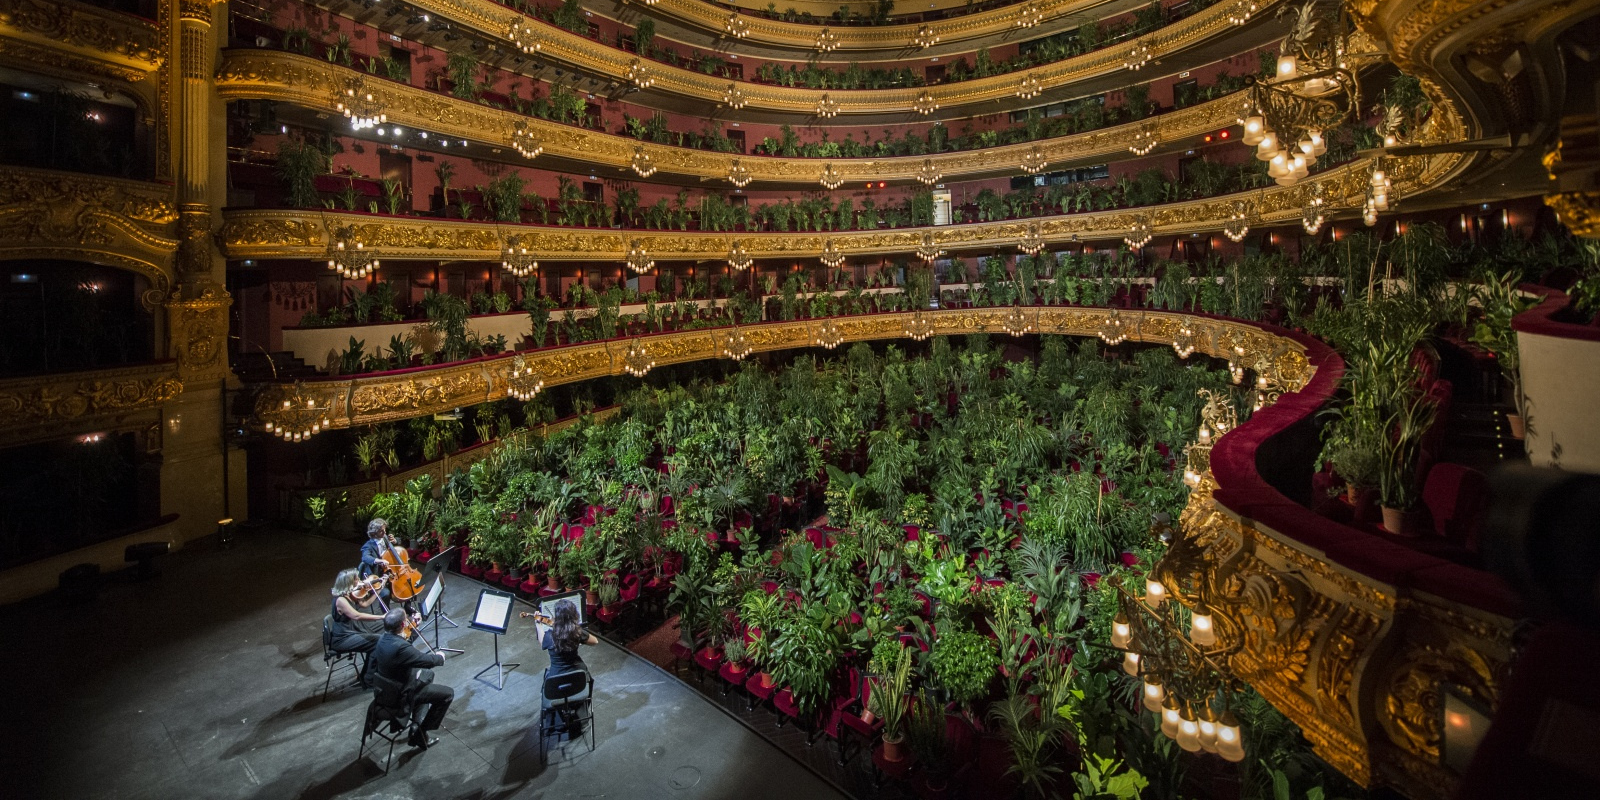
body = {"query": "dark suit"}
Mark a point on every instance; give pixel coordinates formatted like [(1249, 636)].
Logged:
[(396, 659), (372, 557)]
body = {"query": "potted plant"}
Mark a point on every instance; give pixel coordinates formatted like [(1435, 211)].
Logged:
[(964, 663), (886, 700), (1500, 302), (1402, 444), (926, 732)]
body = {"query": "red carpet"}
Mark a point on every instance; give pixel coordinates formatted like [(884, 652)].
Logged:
[(656, 645)]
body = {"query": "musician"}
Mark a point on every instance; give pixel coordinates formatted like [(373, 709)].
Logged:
[(563, 638), (399, 661), (372, 550)]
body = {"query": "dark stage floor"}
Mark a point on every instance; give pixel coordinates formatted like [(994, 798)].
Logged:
[(206, 682)]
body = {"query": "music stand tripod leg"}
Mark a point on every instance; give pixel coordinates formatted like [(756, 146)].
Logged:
[(501, 676), (436, 615)]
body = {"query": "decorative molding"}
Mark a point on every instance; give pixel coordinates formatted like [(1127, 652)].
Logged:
[(316, 84), (48, 406), (386, 397), (261, 234), (198, 333), (129, 224), (77, 36), (496, 21)]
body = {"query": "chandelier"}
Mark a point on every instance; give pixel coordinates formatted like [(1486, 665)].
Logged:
[(637, 361), (1238, 225), (736, 345), (736, 27), (1313, 90), (827, 107), (738, 257), (925, 103), (1032, 239), (298, 418), (925, 37), (1138, 234), (1114, 329), (1315, 211), (928, 250), (1138, 56), (359, 106), (639, 74), (1034, 162), (919, 327), (524, 382), (348, 255), (1144, 140), (830, 178), (1029, 87), (1029, 15), (733, 97), (525, 38), (524, 141), (639, 259), (827, 41), (1183, 340), (739, 174), (1241, 12), (928, 173), (516, 259), (642, 162), (832, 256), (1016, 322), (828, 334)]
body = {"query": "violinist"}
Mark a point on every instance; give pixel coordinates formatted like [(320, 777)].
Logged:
[(355, 628)]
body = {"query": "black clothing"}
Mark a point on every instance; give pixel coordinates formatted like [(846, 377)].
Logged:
[(561, 660), (351, 635), (372, 557), (399, 661)]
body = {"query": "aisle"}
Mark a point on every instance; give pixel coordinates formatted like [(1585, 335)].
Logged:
[(214, 691)]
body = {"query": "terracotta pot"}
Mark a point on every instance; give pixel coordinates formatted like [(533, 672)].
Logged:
[(591, 597), (1394, 521), (552, 582), (766, 681), (1519, 428), (894, 751)]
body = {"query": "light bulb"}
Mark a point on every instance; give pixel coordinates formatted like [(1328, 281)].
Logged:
[(1288, 67), (1318, 144), (1278, 167), (1254, 128), (1297, 166), (1201, 630), (1170, 719), (1154, 693), (1188, 730), (1267, 147), (1208, 728), (1130, 663), (1389, 140), (1230, 745), (1377, 177), (1120, 633), (1154, 593)]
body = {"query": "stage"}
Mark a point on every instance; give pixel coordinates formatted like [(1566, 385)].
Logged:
[(206, 682)]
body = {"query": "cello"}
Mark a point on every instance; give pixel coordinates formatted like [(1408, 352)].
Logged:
[(407, 580)]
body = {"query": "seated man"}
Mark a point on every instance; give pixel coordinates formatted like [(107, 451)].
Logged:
[(398, 660)]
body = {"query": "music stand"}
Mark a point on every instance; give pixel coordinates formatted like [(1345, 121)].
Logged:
[(493, 614), (435, 568), (430, 604)]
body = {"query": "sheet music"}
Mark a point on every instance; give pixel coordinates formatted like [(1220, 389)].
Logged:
[(432, 597), (493, 609)]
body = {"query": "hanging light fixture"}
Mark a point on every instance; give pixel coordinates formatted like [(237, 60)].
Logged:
[(1144, 140), (1241, 12), (925, 103), (733, 97), (360, 106), (830, 178), (523, 382), (517, 259), (1113, 329), (1313, 90), (928, 173), (928, 250), (1032, 240), (348, 255), (525, 37), (738, 257), (739, 174), (1029, 87), (919, 327), (828, 334), (1238, 225), (827, 41), (1034, 162), (1029, 15), (1183, 340), (1016, 322), (831, 256), (736, 26), (1138, 56), (925, 37), (1315, 211), (298, 418), (639, 259), (827, 107), (1139, 233), (638, 361), (642, 162), (736, 345), (525, 142), (639, 74)]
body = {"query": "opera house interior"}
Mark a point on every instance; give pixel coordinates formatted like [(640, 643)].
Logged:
[(860, 399)]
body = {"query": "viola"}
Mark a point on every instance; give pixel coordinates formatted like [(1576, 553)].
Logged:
[(407, 580)]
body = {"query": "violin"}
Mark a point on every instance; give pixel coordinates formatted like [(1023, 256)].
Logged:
[(367, 588), (537, 617), (407, 580)]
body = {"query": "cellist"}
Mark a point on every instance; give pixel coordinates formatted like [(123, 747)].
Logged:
[(372, 549)]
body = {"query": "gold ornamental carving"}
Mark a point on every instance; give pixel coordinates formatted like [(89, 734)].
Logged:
[(43, 407), (198, 332), (256, 74), (1579, 211), (75, 35)]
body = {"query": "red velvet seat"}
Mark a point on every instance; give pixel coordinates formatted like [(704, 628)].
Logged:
[(709, 660), (758, 691), (1457, 498), (913, 532), (681, 655)]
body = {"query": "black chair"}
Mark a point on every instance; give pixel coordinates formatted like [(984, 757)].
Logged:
[(334, 659), (388, 717), (567, 703)]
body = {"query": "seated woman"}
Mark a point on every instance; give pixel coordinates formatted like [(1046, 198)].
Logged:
[(355, 628), (562, 640)]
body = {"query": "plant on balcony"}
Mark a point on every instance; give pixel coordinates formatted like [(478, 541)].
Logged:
[(297, 39), (447, 315), (461, 69), (299, 163), (338, 51), (1499, 301)]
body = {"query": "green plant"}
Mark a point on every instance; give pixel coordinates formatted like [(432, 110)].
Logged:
[(299, 163), (1499, 302), (964, 663)]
